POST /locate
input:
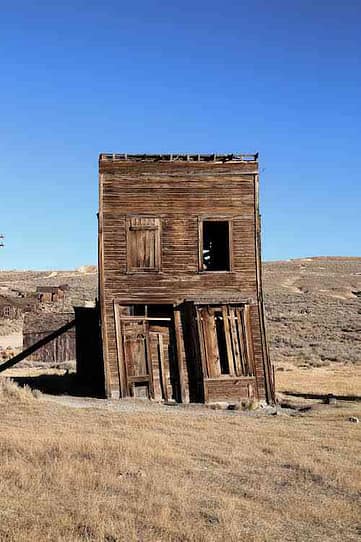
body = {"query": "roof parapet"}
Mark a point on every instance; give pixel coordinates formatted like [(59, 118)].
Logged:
[(233, 157)]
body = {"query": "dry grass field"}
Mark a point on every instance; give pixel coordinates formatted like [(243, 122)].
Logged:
[(313, 308), (110, 472), (77, 469)]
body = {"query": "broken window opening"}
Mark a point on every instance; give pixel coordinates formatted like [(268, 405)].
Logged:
[(215, 245), (138, 310), (161, 311), (152, 311)]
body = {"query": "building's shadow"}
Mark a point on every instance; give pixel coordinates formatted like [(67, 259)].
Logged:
[(322, 397), (54, 384)]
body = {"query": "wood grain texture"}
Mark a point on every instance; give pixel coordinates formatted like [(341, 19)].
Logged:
[(166, 202)]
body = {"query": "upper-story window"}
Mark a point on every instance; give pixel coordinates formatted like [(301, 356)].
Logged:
[(143, 244), (215, 245)]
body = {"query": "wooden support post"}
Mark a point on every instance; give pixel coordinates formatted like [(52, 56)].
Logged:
[(163, 378), (122, 368), (242, 339), (148, 358), (178, 337), (202, 354), (227, 333)]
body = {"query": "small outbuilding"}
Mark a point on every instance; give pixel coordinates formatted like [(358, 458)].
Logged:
[(51, 294), (12, 307)]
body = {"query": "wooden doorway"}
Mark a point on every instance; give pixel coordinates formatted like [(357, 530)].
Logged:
[(147, 354), (225, 337), (137, 356)]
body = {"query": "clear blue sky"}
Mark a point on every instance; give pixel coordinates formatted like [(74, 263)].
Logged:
[(81, 77)]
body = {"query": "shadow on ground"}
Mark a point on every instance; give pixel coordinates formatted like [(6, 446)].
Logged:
[(53, 384), (322, 397)]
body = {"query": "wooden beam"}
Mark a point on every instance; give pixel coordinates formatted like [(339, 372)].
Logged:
[(163, 377), (122, 369), (178, 338), (227, 333), (25, 353)]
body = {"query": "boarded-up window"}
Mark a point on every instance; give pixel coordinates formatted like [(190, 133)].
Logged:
[(143, 244), (226, 340)]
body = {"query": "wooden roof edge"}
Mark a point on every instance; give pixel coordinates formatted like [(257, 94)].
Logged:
[(221, 300), (179, 157), (52, 289)]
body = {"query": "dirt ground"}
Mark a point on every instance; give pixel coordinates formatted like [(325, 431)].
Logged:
[(75, 468), (14, 340), (78, 469)]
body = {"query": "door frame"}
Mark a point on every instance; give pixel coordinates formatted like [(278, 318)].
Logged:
[(124, 380)]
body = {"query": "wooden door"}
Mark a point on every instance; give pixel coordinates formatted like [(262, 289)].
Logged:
[(146, 358), (208, 338), (137, 358)]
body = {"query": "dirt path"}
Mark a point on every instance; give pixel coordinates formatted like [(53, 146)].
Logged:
[(14, 340), (289, 284)]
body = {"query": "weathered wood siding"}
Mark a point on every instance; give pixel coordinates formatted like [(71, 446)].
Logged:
[(39, 326), (179, 194)]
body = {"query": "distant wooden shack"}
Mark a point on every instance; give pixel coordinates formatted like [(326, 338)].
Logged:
[(51, 294), (38, 326), (12, 307), (180, 278)]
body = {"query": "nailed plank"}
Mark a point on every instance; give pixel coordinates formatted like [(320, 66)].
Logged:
[(180, 361), (239, 312), (227, 333), (235, 341), (163, 372)]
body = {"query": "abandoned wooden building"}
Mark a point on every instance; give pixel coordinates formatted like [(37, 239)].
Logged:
[(180, 278), (12, 306), (51, 294)]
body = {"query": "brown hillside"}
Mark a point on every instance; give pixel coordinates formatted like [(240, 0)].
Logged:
[(313, 306), (314, 310)]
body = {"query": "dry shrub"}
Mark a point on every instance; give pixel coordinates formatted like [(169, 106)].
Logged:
[(11, 391), (249, 404)]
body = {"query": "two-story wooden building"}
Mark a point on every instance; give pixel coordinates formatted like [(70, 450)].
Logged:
[(180, 278)]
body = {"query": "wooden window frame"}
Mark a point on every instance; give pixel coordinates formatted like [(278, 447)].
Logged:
[(130, 269), (238, 336), (200, 242)]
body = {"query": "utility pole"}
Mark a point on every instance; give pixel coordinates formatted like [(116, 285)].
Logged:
[(1, 240)]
